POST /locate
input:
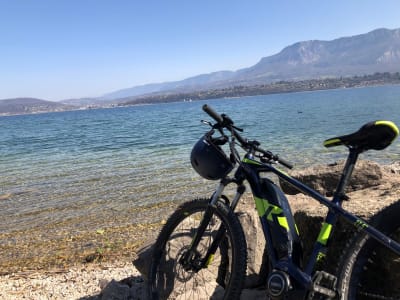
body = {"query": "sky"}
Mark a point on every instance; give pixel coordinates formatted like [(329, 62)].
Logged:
[(63, 49)]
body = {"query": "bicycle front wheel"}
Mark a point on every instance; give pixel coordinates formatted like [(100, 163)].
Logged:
[(370, 270), (223, 275)]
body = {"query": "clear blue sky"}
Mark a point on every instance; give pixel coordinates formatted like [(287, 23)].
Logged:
[(60, 49)]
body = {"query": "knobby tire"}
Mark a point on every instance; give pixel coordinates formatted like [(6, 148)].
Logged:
[(369, 270), (224, 276)]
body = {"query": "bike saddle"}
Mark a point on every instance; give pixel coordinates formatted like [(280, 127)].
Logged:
[(375, 135)]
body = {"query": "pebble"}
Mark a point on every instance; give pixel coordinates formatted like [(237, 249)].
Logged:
[(80, 282)]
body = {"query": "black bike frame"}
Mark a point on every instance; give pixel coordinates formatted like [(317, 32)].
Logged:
[(281, 235), (280, 231), (277, 219)]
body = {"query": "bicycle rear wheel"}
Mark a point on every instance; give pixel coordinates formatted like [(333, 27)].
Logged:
[(370, 270), (224, 275)]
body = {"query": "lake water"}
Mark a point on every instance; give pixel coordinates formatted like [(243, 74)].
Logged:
[(99, 166)]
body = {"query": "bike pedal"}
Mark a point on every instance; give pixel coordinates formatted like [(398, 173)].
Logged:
[(325, 284)]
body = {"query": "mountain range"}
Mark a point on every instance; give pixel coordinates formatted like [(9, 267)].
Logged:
[(18, 106), (376, 51), (369, 53)]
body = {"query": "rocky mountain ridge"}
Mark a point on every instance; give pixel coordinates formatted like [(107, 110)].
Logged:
[(376, 51)]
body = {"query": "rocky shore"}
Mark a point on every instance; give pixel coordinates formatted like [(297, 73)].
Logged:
[(374, 187), (79, 282)]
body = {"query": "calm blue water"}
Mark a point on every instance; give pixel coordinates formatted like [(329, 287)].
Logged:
[(99, 166)]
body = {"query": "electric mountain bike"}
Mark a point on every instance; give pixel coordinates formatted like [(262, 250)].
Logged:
[(200, 252)]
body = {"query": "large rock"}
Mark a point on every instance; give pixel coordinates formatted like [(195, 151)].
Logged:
[(116, 291), (393, 168), (131, 288), (143, 258), (324, 179), (255, 240)]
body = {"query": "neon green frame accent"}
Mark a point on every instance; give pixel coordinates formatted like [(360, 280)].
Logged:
[(331, 142), (283, 172), (297, 229), (263, 205), (361, 224), (257, 163), (324, 234), (389, 124), (321, 256), (209, 260), (250, 161), (283, 222), (260, 206)]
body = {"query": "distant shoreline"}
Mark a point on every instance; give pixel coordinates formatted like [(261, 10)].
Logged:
[(279, 87)]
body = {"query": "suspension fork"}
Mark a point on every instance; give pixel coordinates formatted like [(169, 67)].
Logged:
[(187, 259), (221, 231), (189, 256)]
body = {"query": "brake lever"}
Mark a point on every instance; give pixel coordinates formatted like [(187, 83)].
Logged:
[(237, 128), (220, 140), (207, 123), (267, 160), (227, 122)]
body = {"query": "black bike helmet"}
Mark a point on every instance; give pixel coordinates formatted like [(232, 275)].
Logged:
[(209, 160)]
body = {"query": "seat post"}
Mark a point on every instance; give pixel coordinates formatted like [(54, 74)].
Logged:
[(339, 195)]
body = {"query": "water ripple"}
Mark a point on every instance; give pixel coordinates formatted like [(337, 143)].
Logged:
[(100, 166)]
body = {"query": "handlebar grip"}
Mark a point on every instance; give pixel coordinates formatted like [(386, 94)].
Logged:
[(285, 163), (212, 113), (270, 155)]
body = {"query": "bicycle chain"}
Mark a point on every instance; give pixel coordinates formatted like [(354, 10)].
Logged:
[(374, 296), (311, 295)]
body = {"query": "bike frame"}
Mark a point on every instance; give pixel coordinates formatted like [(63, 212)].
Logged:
[(277, 220)]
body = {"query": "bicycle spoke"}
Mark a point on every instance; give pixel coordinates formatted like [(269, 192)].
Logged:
[(180, 272)]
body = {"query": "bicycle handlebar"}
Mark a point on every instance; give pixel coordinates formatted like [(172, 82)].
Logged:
[(213, 114), (224, 121)]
